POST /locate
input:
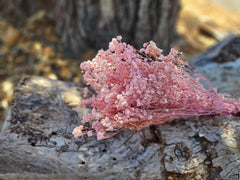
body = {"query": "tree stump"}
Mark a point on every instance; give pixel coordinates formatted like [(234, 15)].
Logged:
[(36, 141)]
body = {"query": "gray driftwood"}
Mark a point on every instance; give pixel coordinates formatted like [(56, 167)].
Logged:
[(36, 141)]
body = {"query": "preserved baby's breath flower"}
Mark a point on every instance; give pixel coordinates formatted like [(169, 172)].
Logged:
[(138, 88)]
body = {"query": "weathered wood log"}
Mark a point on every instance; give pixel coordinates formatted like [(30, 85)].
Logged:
[(36, 141)]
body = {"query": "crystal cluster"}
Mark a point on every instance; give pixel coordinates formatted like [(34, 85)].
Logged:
[(138, 88)]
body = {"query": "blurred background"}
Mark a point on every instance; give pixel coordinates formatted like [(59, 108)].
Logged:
[(51, 38)]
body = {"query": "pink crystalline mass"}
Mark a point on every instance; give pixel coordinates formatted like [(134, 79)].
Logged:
[(138, 88)]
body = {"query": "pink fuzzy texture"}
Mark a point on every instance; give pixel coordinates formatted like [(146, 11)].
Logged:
[(138, 88)]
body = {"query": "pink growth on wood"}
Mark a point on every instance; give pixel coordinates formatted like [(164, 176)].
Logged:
[(138, 88)]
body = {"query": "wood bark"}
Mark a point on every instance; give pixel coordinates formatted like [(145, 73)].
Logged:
[(91, 24)]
